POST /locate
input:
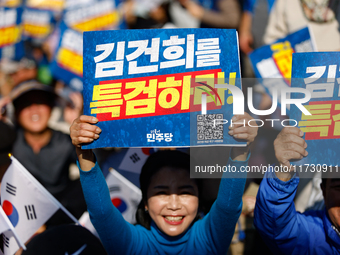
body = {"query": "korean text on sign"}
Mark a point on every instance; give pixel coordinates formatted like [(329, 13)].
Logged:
[(70, 53), (151, 96), (162, 55), (324, 122), (95, 16), (10, 31), (37, 23)]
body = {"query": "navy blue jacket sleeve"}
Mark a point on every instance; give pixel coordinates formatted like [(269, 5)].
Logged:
[(283, 229)]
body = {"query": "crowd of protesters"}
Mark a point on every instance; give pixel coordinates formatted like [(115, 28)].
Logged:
[(38, 107)]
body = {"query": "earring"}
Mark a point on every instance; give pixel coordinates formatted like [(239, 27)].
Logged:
[(146, 210)]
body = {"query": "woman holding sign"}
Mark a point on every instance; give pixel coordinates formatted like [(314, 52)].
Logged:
[(168, 213)]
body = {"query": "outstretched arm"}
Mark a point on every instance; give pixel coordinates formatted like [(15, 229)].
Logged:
[(115, 233), (83, 131), (217, 228), (245, 34), (284, 230)]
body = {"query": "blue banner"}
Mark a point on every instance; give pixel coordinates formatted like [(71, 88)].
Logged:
[(319, 73), (92, 16), (56, 6), (146, 86), (67, 64), (272, 63), (37, 24), (11, 46)]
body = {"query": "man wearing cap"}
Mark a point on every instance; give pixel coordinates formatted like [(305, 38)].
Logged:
[(46, 153), (283, 229)]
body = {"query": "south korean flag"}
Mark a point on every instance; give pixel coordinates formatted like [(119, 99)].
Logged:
[(27, 204), (5, 225)]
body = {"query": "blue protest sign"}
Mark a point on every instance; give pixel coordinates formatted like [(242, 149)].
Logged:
[(11, 46), (272, 63), (319, 73), (92, 16), (67, 64), (146, 86), (37, 24), (56, 6)]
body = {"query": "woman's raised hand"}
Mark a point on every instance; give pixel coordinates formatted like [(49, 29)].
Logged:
[(289, 145), (242, 127), (83, 130)]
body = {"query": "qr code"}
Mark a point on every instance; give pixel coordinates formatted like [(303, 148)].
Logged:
[(208, 128)]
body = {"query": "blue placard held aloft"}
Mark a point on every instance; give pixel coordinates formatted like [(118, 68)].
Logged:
[(146, 87), (319, 73), (67, 64), (11, 45), (272, 63)]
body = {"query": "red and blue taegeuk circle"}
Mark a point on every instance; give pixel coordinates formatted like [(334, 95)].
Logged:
[(148, 151), (11, 212), (119, 203)]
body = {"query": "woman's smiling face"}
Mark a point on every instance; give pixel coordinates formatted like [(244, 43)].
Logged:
[(172, 200)]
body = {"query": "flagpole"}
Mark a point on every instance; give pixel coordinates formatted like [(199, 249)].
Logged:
[(69, 214), (9, 223), (116, 174), (43, 190)]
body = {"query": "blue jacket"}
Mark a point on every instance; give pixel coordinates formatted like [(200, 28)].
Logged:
[(211, 235), (286, 231)]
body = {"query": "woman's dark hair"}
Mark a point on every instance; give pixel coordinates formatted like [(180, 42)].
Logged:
[(157, 160)]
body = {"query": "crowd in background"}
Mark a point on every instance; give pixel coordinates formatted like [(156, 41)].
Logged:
[(37, 106)]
